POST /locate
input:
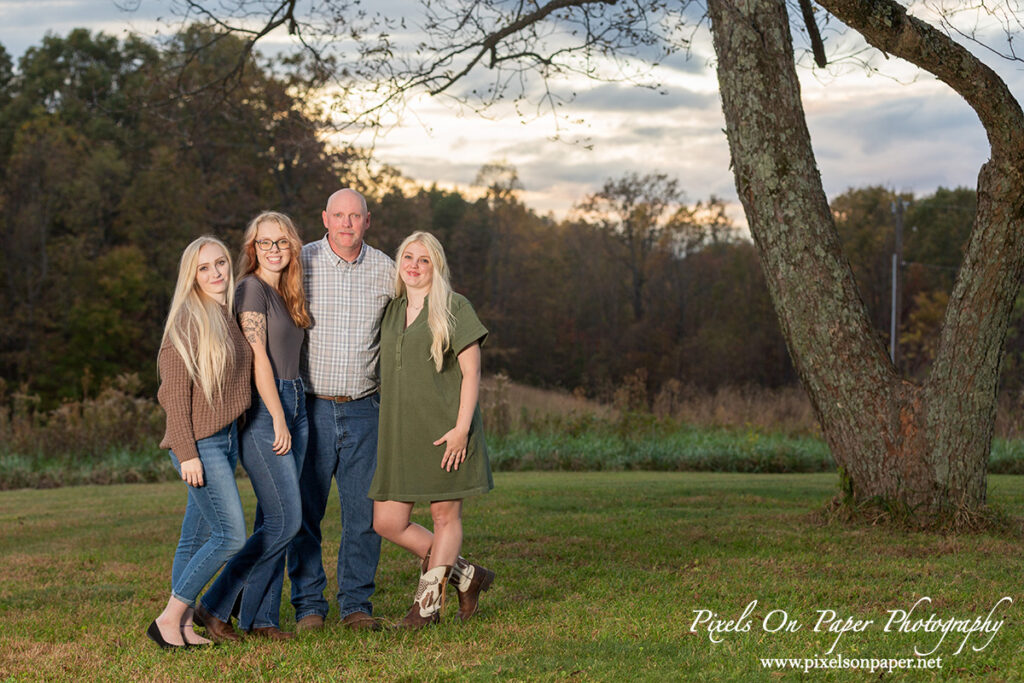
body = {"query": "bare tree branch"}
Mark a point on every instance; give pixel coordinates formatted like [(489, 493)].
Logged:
[(376, 61), (817, 45), (1007, 13), (283, 13), (490, 42), (887, 26)]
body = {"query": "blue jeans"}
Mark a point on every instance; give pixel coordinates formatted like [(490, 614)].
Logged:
[(214, 527), (342, 445), (257, 571)]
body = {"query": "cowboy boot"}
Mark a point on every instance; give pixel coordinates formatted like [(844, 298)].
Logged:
[(469, 580), (429, 601)]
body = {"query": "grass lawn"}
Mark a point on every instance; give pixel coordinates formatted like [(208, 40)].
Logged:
[(599, 575)]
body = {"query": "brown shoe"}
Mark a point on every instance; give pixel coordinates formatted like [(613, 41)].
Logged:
[(429, 601), (361, 621), (470, 581), (310, 622), (413, 620), (270, 633), (218, 631)]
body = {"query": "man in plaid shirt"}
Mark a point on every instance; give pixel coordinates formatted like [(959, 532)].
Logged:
[(348, 283)]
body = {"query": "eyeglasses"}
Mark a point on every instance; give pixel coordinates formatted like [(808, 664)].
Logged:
[(267, 245)]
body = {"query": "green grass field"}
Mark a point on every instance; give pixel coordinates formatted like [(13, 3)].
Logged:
[(599, 575)]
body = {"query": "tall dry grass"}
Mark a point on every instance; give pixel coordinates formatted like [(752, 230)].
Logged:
[(110, 438), (116, 417), (511, 407), (1010, 416), (786, 410), (114, 436)]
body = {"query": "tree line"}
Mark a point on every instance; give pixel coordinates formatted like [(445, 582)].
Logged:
[(114, 155)]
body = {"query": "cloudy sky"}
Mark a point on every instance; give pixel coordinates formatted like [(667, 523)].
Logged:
[(892, 126)]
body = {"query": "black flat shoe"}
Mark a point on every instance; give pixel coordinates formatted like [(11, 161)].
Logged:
[(154, 634), (194, 646)]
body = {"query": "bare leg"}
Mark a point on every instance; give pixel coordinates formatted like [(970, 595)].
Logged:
[(170, 620), (391, 521), (191, 637), (447, 516)]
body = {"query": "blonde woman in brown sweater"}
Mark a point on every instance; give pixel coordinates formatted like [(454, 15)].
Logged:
[(205, 369)]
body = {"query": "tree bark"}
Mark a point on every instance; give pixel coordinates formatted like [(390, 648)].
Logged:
[(920, 447)]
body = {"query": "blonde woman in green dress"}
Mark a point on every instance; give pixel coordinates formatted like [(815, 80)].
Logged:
[(431, 444)]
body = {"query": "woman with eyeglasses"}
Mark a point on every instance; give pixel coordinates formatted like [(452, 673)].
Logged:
[(272, 313), (204, 366)]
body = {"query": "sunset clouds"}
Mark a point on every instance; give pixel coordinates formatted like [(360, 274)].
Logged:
[(908, 132)]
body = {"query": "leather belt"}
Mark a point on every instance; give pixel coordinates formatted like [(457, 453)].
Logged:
[(346, 399), (336, 399)]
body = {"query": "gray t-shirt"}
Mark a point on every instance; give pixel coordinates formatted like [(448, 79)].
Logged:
[(284, 337)]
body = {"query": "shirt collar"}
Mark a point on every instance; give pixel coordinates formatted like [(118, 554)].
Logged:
[(336, 260)]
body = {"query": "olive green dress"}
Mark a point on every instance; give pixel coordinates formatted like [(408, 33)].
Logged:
[(418, 405)]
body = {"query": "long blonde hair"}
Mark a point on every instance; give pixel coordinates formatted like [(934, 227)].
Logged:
[(195, 326), (290, 285), (439, 314)]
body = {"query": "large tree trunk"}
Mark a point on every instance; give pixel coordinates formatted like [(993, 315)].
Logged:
[(926, 446)]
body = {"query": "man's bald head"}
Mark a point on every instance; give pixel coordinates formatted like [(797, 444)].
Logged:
[(346, 191), (346, 220)]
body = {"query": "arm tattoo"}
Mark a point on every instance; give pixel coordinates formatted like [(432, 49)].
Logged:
[(254, 327)]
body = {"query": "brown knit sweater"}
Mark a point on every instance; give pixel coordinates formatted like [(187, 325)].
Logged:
[(189, 416)]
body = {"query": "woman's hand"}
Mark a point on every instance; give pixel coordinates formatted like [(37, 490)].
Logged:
[(282, 437), (456, 440), (192, 472)]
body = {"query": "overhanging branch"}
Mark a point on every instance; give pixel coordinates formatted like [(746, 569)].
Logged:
[(887, 26), (489, 43), (817, 44)]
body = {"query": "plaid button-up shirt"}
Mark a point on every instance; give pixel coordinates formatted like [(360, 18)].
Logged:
[(346, 303)]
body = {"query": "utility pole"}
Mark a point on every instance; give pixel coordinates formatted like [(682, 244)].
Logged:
[(897, 263)]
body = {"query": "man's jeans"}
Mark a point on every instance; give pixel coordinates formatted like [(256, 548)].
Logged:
[(257, 571), (343, 445), (213, 529)]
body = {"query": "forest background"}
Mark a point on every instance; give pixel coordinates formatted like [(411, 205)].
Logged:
[(114, 156), (636, 333)]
